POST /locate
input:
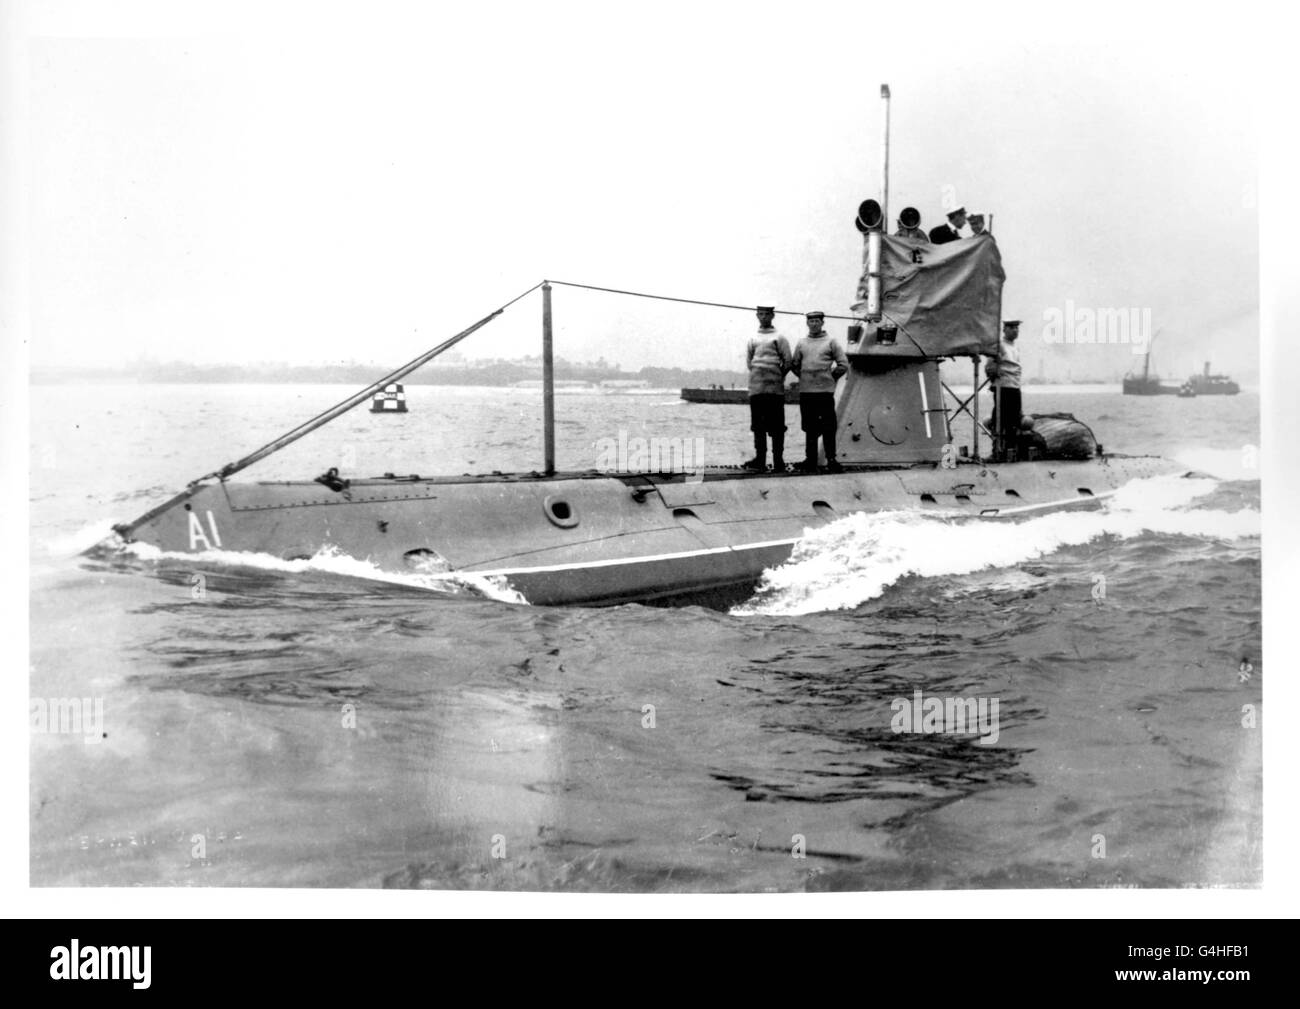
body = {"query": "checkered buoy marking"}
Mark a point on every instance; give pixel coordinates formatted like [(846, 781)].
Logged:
[(392, 399)]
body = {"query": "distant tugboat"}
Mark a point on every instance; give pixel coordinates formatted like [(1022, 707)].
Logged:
[(390, 399), (1206, 384), (717, 394), (1148, 384)]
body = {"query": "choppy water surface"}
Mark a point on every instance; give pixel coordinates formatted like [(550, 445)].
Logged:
[(317, 724)]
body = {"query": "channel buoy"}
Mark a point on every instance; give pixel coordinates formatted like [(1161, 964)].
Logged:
[(392, 399)]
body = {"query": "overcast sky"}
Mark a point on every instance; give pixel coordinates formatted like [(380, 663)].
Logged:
[(359, 181)]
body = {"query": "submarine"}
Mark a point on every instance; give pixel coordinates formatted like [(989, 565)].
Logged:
[(693, 537)]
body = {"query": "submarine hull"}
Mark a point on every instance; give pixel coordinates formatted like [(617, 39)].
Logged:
[(602, 539)]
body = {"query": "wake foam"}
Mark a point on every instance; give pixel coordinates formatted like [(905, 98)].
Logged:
[(858, 557), (85, 538), (1224, 463), (330, 560)]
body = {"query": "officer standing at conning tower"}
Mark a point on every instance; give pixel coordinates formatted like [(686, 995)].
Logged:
[(951, 231), (768, 359), (819, 362), (1005, 372)]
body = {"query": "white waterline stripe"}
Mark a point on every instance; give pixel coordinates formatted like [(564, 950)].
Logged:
[(686, 554), (995, 511), (612, 562)]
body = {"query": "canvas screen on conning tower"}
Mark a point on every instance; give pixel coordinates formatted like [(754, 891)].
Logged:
[(946, 298)]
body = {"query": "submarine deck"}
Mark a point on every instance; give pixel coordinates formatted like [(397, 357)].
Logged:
[(702, 474)]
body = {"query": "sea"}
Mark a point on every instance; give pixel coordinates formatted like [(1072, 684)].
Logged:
[(910, 703)]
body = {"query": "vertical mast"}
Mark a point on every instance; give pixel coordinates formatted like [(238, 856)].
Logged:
[(548, 383), (884, 171), (873, 220), (1146, 361)]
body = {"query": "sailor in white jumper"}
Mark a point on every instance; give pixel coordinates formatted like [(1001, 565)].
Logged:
[(819, 362), (768, 358)]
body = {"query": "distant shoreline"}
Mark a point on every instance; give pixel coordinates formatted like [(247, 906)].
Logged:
[(613, 386), (504, 375)]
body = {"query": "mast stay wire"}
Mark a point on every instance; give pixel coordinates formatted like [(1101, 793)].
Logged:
[(360, 397), (720, 304), (690, 301)]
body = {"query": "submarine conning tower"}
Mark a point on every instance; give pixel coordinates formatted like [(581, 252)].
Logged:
[(921, 304), (917, 304), (890, 408)]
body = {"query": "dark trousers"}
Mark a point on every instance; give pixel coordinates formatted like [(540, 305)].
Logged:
[(1006, 416), (767, 417), (767, 412), (817, 418)]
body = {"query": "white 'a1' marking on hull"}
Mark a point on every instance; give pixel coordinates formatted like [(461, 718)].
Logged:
[(197, 533)]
